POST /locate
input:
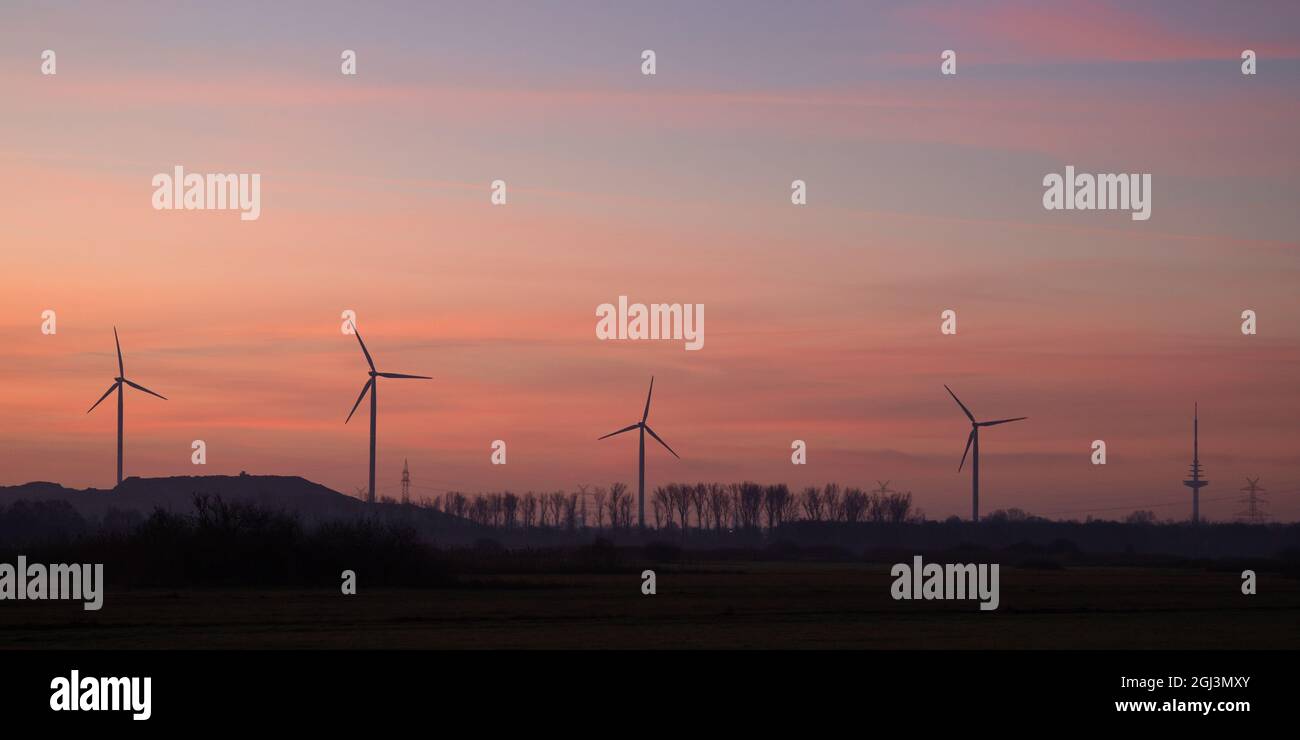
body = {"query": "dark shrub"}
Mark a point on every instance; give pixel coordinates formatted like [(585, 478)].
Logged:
[(599, 556), (662, 552)]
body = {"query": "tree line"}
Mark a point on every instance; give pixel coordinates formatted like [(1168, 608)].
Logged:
[(681, 506)]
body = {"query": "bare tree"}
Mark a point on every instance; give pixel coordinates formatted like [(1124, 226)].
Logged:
[(617, 493), (898, 507), (510, 509), (811, 501), (719, 505), (478, 511), (661, 504), (497, 509), (749, 504), (543, 509), (854, 504), (557, 508), (790, 510), (529, 509), (831, 503), (874, 511), (456, 504), (1145, 516), (733, 497), (917, 514), (682, 495), (776, 500), (699, 500), (571, 512), (598, 498), (625, 511)]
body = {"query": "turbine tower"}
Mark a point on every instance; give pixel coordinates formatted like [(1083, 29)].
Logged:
[(1196, 484), (117, 386), (640, 491), (372, 387), (974, 439)]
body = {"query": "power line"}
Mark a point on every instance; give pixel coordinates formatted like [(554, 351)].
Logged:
[(1254, 502), (1131, 507), (406, 482)]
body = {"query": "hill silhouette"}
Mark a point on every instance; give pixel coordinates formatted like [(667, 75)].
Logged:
[(309, 501)]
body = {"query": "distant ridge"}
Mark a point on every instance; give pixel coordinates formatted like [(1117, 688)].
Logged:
[(310, 500)]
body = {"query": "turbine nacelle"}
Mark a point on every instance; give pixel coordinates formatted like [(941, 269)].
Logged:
[(374, 375), (121, 380), (642, 424)]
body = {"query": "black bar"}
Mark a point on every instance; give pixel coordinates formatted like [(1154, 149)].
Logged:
[(1022, 690)]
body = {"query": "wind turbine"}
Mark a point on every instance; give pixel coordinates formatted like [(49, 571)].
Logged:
[(644, 427), (117, 386), (372, 387), (974, 439)]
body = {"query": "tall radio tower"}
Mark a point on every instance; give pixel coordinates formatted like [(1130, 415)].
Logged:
[(406, 482), (1254, 502), (1196, 484)]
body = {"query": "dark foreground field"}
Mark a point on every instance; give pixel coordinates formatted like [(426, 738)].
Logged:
[(748, 605)]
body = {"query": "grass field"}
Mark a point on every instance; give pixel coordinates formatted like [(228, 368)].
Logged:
[(733, 606)]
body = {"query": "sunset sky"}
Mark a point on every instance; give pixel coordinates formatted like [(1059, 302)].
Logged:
[(821, 323)]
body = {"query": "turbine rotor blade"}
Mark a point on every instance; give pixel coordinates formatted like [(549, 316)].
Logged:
[(999, 421), (142, 388), (665, 444), (121, 371), (624, 429), (969, 439), (400, 375), (646, 415), (369, 361), (969, 415), (111, 388), (364, 389)]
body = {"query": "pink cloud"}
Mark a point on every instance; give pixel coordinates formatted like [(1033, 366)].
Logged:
[(1105, 32)]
